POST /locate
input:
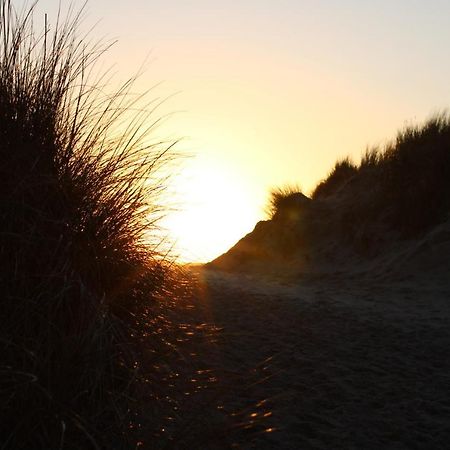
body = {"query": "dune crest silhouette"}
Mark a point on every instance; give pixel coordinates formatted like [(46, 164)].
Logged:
[(394, 197)]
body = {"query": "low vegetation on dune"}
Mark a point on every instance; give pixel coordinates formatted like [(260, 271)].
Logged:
[(407, 182), (395, 194), (342, 171), (80, 196), (281, 199), (399, 191)]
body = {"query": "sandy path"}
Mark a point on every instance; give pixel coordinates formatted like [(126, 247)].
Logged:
[(352, 364)]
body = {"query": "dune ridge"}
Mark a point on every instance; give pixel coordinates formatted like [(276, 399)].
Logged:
[(390, 213)]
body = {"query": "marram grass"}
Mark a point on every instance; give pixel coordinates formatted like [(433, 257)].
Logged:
[(80, 194)]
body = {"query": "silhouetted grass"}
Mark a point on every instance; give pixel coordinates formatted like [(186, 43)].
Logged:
[(342, 171), (396, 192), (282, 198), (400, 190), (80, 192)]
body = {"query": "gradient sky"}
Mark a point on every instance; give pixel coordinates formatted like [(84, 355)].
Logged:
[(273, 92)]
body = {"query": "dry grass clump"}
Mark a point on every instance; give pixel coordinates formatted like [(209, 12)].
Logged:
[(79, 192), (405, 186), (282, 198), (342, 171), (417, 178), (396, 192)]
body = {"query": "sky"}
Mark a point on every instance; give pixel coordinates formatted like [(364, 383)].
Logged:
[(268, 93)]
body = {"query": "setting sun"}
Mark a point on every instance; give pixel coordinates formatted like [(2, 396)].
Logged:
[(211, 212)]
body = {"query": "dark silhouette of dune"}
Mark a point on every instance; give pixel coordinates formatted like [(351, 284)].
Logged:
[(397, 199)]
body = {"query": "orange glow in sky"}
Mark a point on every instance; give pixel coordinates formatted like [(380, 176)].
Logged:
[(215, 208), (272, 93)]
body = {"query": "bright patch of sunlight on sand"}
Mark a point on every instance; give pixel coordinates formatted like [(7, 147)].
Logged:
[(214, 208)]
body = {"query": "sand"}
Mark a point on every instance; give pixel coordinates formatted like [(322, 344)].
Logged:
[(323, 362)]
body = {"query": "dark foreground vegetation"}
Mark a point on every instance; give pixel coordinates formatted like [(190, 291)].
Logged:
[(81, 279)]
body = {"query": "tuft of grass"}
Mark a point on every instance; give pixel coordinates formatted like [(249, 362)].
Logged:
[(282, 198), (80, 194), (399, 191), (402, 188), (416, 175), (342, 171)]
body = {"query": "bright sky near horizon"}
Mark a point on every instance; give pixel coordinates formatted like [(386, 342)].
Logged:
[(272, 93)]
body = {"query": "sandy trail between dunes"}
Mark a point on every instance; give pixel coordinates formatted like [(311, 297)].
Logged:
[(352, 364)]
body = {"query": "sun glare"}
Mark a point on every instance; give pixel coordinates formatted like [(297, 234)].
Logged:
[(214, 209)]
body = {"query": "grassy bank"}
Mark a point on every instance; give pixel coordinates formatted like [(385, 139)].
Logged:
[(79, 280), (399, 191), (394, 197)]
